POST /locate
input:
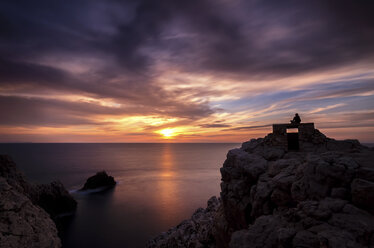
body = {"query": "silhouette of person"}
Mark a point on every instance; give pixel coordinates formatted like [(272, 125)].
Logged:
[(296, 119)]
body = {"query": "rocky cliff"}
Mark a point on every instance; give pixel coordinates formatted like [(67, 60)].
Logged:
[(319, 196), (27, 210)]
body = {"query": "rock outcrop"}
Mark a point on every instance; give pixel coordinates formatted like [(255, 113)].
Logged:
[(100, 180), (54, 199), (195, 232), (27, 210), (319, 196), (23, 224)]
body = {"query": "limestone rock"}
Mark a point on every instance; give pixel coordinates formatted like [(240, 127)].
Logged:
[(23, 224), (26, 209)]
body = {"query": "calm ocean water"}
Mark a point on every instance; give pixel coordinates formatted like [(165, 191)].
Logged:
[(159, 185)]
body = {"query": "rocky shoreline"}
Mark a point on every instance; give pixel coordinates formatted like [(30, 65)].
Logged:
[(319, 196), (29, 212), (32, 215)]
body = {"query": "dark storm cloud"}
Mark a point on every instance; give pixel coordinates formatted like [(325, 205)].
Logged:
[(39, 27), (316, 34), (20, 73), (248, 38), (288, 37)]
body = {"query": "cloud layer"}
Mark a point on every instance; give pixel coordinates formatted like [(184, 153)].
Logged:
[(213, 70)]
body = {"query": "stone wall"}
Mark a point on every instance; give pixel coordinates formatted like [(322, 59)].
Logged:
[(306, 132)]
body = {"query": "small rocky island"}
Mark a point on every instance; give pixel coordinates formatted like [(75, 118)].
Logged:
[(289, 189), (29, 212), (99, 181)]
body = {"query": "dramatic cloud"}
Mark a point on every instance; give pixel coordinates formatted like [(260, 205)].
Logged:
[(211, 70)]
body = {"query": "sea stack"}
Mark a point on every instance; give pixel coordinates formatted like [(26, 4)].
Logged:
[(298, 190), (100, 180)]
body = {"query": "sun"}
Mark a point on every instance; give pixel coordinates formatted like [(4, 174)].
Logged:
[(167, 132)]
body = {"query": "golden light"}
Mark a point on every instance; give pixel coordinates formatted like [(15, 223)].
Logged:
[(167, 132)]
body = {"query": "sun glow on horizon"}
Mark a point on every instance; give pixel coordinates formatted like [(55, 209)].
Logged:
[(168, 133)]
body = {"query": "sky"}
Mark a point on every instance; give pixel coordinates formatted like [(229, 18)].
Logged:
[(184, 71)]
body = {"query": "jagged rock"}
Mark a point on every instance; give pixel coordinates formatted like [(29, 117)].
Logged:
[(23, 224), (54, 199), (195, 232), (366, 173), (26, 209), (8, 170), (263, 233), (305, 239), (101, 179), (278, 165), (339, 193), (336, 238), (320, 196), (363, 194), (281, 198)]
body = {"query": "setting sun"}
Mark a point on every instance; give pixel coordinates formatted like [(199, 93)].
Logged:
[(168, 132)]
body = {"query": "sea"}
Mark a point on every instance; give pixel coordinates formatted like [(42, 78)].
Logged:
[(158, 186)]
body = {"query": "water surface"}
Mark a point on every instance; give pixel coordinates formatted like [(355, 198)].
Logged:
[(159, 185)]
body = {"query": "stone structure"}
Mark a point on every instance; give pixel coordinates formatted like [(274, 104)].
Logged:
[(292, 140), (304, 128)]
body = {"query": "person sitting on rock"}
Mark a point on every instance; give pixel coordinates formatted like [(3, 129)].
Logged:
[(296, 119)]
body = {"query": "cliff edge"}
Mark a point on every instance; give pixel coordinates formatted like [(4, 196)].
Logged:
[(319, 195), (28, 211)]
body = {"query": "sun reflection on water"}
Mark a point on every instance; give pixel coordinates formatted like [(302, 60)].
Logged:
[(167, 194)]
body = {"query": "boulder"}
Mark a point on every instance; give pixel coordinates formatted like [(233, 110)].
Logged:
[(100, 180)]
